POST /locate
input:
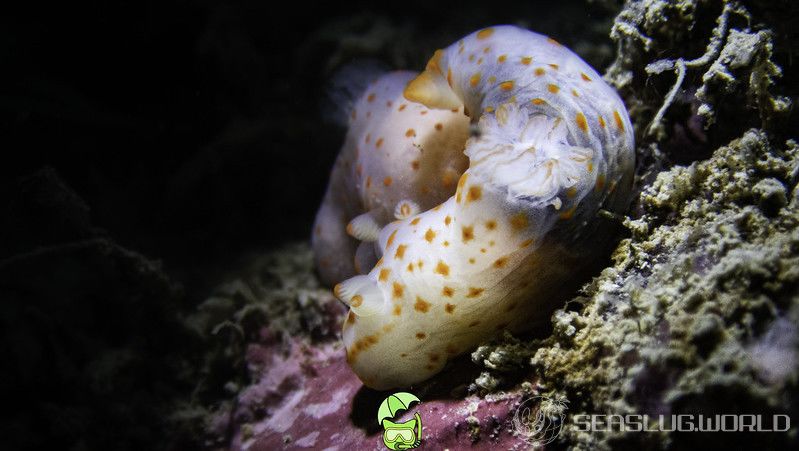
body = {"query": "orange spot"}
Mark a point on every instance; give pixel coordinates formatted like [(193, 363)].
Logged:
[(410, 133), (400, 254), (447, 220), (575, 93), (501, 262), (384, 273), (474, 193), (445, 243), (422, 113), (526, 60), (519, 221), (506, 85), (474, 292), (471, 58), (492, 79), (439, 126), (402, 106), (387, 181), (485, 33), (526, 243), (415, 165), (585, 77), (502, 58), (581, 122), (461, 183), (397, 310), (491, 224), (601, 121), (379, 142), (446, 179), (410, 267), (571, 192), (371, 98), (449, 308), (421, 305), (391, 238), (538, 101), (429, 235), (467, 233), (416, 221), (539, 71), (435, 61), (350, 318), (552, 41), (568, 214), (447, 291), (479, 61), (474, 80), (617, 119), (398, 290), (356, 300), (389, 103), (472, 260), (368, 181), (553, 88), (554, 66), (421, 335), (600, 182), (442, 268)]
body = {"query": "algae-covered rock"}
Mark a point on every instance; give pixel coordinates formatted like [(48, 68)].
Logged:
[(671, 327)]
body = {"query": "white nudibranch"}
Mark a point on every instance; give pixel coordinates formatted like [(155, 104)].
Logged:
[(554, 144)]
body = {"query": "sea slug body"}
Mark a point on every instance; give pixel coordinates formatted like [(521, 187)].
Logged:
[(551, 145), (397, 153)]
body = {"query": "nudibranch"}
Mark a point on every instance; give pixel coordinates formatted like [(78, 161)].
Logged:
[(550, 145)]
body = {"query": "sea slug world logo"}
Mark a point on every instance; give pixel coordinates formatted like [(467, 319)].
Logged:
[(538, 420), (405, 435)]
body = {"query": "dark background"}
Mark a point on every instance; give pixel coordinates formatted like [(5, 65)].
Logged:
[(147, 146), (193, 129)]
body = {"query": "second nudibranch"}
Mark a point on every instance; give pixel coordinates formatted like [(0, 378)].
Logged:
[(552, 145)]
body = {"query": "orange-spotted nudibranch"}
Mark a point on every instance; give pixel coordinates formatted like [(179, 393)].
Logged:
[(457, 262)]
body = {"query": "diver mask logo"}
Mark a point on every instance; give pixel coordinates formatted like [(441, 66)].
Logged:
[(404, 435)]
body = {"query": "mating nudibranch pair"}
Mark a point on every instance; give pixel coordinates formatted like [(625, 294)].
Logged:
[(550, 145)]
